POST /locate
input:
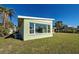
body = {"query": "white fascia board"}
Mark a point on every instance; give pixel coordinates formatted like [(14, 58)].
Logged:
[(38, 18)]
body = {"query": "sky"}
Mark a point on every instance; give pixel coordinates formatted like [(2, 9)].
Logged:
[(68, 13)]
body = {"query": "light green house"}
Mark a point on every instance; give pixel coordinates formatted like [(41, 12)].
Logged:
[(34, 27)]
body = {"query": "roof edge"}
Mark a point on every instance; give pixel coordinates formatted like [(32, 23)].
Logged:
[(35, 17)]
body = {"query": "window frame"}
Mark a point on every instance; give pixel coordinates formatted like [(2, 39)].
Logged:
[(32, 28), (48, 28)]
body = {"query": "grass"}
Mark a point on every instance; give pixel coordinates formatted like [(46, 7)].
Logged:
[(60, 43)]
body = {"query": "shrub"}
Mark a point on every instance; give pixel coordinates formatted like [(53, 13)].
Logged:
[(3, 31)]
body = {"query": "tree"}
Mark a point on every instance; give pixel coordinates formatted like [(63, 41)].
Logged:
[(6, 17), (59, 25), (6, 14), (77, 29), (65, 28)]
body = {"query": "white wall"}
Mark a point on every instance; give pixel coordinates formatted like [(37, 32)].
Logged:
[(28, 36)]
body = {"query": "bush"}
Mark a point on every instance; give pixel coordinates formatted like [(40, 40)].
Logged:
[(3, 31), (67, 30)]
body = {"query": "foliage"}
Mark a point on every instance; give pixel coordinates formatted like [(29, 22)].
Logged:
[(60, 27), (77, 29), (3, 31), (6, 13), (69, 30), (11, 25), (59, 24)]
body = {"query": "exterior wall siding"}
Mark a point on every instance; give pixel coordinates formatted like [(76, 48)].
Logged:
[(28, 36)]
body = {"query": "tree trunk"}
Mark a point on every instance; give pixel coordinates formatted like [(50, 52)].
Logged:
[(5, 20)]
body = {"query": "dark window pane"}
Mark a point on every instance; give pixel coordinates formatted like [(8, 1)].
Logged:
[(31, 27), (41, 28)]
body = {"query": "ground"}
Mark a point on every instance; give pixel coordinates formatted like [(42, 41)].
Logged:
[(60, 43)]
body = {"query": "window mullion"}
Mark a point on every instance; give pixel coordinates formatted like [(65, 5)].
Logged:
[(34, 28), (47, 28)]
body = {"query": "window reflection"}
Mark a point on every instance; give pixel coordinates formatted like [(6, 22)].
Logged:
[(31, 27), (39, 28)]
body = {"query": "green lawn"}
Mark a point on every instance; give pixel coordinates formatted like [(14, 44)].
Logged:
[(60, 43)]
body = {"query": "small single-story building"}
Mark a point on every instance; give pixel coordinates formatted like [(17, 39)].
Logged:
[(34, 27)]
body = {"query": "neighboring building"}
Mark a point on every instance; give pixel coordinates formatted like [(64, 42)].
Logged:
[(34, 27)]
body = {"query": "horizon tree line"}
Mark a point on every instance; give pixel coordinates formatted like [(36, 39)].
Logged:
[(61, 27)]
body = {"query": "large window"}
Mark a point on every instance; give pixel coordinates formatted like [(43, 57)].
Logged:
[(39, 28), (31, 27)]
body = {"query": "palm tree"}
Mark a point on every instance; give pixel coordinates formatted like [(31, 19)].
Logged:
[(10, 13), (59, 25), (6, 13)]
